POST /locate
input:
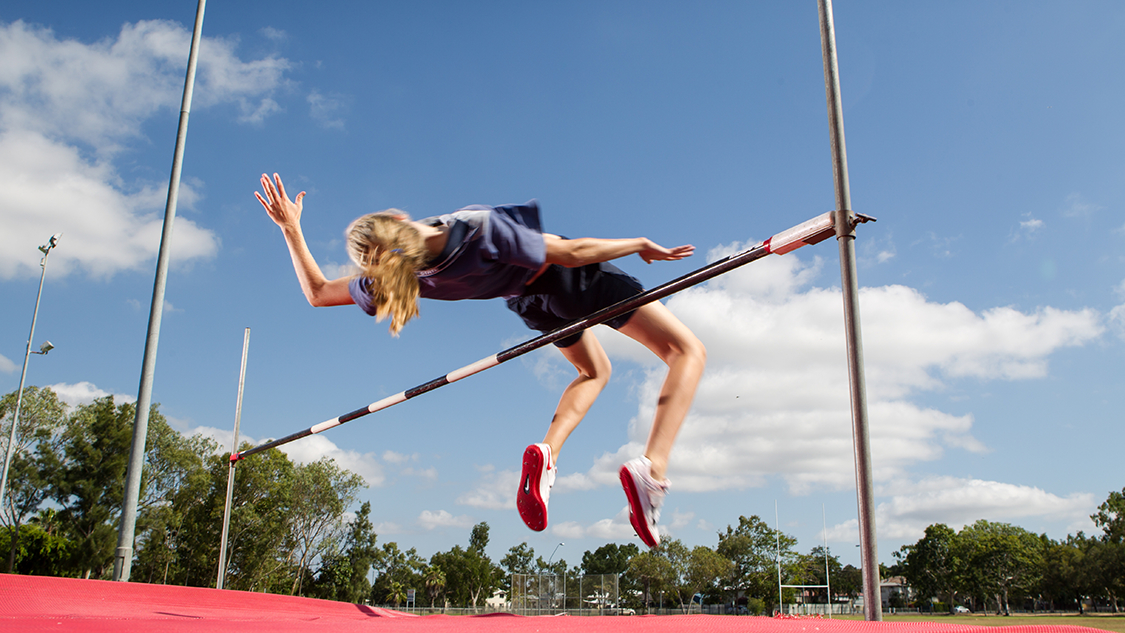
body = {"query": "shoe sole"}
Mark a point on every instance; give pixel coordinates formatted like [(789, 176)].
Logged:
[(635, 517), (532, 509)]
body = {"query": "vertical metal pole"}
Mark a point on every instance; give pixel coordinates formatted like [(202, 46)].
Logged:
[(123, 558), (230, 473), (23, 376), (845, 237), (777, 543), (827, 569)]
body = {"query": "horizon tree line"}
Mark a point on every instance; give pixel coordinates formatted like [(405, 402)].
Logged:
[(291, 532)]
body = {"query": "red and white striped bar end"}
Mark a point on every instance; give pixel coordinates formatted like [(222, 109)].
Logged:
[(815, 230)]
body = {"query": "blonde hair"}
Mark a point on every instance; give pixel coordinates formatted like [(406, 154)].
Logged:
[(388, 250)]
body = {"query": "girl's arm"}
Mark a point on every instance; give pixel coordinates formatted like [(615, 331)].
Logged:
[(286, 213), (590, 250)]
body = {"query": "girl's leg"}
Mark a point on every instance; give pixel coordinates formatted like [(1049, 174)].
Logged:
[(594, 368), (538, 473), (655, 327)]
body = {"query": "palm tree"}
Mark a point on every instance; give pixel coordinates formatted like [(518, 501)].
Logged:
[(435, 582), (397, 593)]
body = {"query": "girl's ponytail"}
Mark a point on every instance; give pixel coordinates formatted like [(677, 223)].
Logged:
[(388, 251)]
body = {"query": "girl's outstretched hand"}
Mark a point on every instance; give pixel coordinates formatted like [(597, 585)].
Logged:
[(655, 252), (281, 209)]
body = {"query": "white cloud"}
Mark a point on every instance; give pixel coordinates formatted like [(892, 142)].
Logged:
[(912, 506), (1117, 320), (85, 393), (1116, 317), (315, 447), (327, 110), (495, 490), (678, 519), (68, 109), (6, 365), (430, 473), (774, 400), (274, 34), (52, 188), (568, 530), (617, 528), (1078, 207), (222, 437), (332, 270), (442, 519), (392, 457), (388, 527), (1027, 229)]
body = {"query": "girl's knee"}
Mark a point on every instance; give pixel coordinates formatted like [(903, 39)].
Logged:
[(600, 370), (691, 347)]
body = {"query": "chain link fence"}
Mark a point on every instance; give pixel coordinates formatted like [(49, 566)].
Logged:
[(543, 594)]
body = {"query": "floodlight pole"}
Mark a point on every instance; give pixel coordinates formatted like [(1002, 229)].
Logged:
[(230, 473), (845, 237), (123, 558), (46, 250)]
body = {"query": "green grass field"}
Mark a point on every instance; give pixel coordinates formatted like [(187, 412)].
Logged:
[(1105, 622)]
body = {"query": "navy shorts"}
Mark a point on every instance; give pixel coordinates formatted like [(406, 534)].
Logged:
[(561, 296)]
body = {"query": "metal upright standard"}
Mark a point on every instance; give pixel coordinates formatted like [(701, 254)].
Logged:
[(123, 558), (230, 473), (845, 237), (815, 230), (46, 250)]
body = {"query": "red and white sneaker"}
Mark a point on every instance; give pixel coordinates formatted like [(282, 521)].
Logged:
[(535, 486), (645, 496)]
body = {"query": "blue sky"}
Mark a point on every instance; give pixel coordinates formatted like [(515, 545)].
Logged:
[(985, 137)]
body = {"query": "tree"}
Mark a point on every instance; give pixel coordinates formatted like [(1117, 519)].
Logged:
[(1110, 517), (1064, 578), (814, 569), (677, 555), (434, 579), (175, 478), (999, 559), (321, 492), (931, 565), (36, 440), (653, 572), (610, 558), (1105, 569), (848, 582), (397, 593), (257, 556), (518, 560), (469, 575), (706, 569), (753, 548), (89, 482), (396, 566), (343, 574), (478, 538)]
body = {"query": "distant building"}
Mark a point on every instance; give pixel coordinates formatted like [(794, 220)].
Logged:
[(498, 601), (895, 593)]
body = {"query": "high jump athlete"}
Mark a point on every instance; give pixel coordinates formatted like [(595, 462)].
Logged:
[(481, 252)]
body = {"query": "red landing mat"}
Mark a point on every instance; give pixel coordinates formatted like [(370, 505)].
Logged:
[(33, 603)]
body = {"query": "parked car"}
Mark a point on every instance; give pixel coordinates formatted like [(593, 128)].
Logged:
[(961, 609)]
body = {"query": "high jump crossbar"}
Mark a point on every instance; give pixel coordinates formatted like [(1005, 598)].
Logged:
[(813, 231)]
